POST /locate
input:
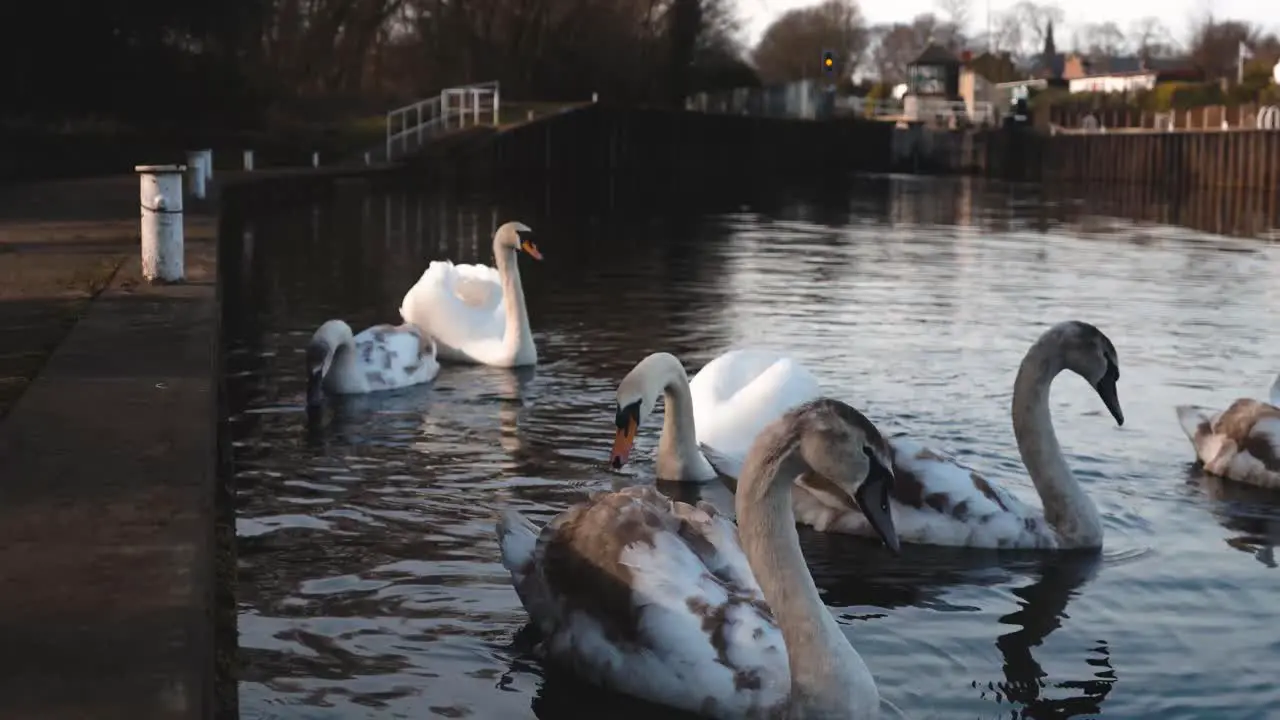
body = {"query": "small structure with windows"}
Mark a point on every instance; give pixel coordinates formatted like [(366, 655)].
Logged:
[(933, 96), (935, 74)]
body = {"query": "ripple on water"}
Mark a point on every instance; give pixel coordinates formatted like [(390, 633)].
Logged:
[(370, 583)]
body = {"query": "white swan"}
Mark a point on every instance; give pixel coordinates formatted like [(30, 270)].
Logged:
[(658, 600), (938, 501), (477, 313), (1240, 443), (725, 406), (383, 357)]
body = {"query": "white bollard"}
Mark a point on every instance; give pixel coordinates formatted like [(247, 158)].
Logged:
[(206, 157), (161, 200), (248, 159), (315, 159), (595, 97), (367, 159), (195, 174)]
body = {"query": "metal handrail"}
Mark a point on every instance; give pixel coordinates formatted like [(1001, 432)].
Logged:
[(435, 113)]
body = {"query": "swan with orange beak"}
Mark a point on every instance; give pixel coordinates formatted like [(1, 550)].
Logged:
[(724, 407)]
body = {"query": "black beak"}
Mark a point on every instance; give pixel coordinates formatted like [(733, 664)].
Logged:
[(1106, 389), (315, 389), (873, 499)]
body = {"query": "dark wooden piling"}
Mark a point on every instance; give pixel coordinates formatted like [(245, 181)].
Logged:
[(1230, 159), (597, 141)]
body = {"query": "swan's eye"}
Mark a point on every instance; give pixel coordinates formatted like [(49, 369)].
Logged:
[(873, 456)]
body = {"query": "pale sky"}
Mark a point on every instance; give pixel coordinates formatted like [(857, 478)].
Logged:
[(1176, 14)]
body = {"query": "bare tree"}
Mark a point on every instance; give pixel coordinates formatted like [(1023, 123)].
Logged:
[(897, 45), (791, 48), (1214, 46), (957, 12), (893, 49), (1149, 37), (563, 49), (1023, 27), (1008, 34), (1103, 39), (930, 29)]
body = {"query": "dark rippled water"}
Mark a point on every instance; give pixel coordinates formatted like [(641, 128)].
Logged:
[(370, 580)]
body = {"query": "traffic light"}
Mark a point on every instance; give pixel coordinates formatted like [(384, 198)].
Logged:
[(828, 61)]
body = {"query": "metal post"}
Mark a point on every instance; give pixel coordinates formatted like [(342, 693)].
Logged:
[(496, 93), (248, 160), (160, 195), (475, 107), (206, 157), (418, 108), (315, 159), (195, 174), (390, 117)]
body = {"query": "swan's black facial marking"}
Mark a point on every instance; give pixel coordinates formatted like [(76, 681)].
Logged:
[(1106, 389), (526, 245), (1088, 345), (627, 421), (1106, 385), (629, 413), (317, 354), (872, 498)]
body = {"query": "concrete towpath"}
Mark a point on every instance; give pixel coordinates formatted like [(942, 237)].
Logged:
[(107, 461)]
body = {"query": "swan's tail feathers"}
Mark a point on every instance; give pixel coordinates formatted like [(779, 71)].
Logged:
[(414, 297), (1193, 419), (1275, 392), (408, 315), (517, 539)]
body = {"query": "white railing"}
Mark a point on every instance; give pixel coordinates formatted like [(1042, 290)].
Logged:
[(939, 111), (410, 127), (872, 108), (804, 99)]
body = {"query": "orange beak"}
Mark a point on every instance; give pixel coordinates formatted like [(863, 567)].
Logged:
[(531, 249), (622, 445)]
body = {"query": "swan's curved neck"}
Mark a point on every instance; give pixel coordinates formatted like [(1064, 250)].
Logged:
[(679, 457), (828, 677), (342, 348), (1067, 507), (517, 337)]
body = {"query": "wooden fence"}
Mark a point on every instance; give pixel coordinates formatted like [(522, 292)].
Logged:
[(1206, 118), (1227, 159)]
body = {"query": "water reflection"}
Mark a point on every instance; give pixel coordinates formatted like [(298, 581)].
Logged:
[(1251, 513), (370, 582), (1043, 606)]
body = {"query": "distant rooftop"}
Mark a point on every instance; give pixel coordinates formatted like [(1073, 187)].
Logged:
[(936, 55)]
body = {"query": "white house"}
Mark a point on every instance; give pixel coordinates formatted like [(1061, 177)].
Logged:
[(1113, 82)]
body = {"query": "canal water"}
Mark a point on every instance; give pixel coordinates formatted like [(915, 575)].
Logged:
[(370, 584)]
